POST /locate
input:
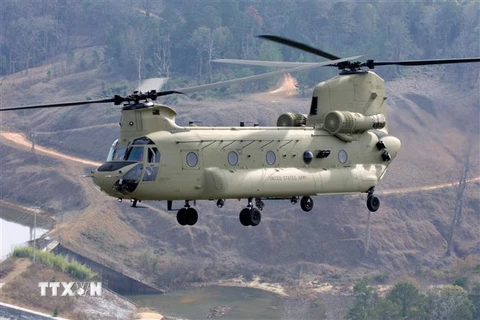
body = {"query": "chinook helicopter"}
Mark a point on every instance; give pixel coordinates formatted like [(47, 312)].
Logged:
[(341, 146)]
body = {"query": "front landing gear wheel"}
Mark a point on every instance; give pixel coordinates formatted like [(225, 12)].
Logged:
[(373, 203), (306, 203), (244, 220), (255, 217), (182, 216), (187, 216)]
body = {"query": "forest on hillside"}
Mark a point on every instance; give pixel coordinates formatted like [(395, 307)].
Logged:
[(180, 38)]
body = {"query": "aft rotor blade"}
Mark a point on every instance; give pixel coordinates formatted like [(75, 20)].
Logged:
[(299, 45), (422, 62), (263, 63), (57, 105), (265, 75)]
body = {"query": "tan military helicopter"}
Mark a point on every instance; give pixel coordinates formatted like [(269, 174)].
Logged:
[(341, 147)]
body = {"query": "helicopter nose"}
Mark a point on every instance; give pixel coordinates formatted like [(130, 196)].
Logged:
[(104, 179), (98, 179), (108, 174)]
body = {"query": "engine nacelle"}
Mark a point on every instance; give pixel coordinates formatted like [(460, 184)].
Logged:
[(351, 122), (291, 119)]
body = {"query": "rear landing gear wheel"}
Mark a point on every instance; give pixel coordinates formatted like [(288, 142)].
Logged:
[(306, 203), (373, 203), (182, 216)]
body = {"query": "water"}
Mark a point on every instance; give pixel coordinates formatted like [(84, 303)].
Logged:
[(16, 228), (195, 303)]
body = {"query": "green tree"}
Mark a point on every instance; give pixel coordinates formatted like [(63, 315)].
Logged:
[(409, 300), (386, 309), (365, 299), (474, 297), (450, 303), (208, 44)]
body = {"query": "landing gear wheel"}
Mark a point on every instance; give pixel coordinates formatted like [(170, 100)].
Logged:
[(250, 217), (191, 216), (306, 203), (373, 203), (244, 217), (220, 203), (182, 216), (255, 217)]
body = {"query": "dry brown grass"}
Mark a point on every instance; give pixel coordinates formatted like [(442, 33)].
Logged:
[(6, 267), (24, 291)]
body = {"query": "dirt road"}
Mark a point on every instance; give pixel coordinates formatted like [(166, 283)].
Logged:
[(19, 139)]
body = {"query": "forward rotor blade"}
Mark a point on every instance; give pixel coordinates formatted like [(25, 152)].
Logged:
[(62, 104), (166, 93), (300, 46), (117, 100), (422, 62), (265, 75), (264, 63)]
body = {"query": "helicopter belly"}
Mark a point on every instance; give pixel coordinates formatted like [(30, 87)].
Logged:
[(271, 182)]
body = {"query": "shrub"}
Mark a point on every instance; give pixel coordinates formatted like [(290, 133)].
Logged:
[(73, 268)]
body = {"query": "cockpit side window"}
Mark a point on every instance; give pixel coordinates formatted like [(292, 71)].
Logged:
[(153, 155)]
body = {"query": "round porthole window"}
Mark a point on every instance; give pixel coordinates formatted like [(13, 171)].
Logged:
[(232, 158), (307, 156), (192, 159), (271, 158), (342, 156)]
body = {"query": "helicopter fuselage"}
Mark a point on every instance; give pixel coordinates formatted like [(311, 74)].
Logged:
[(249, 162), (341, 147)]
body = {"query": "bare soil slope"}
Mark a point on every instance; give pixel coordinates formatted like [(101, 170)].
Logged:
[(429, 116)]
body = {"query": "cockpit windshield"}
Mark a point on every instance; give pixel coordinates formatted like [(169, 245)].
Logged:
[(117, 152), (134, 153)]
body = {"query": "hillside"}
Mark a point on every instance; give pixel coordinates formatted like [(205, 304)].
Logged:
[(428, 113), (21, 289)]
